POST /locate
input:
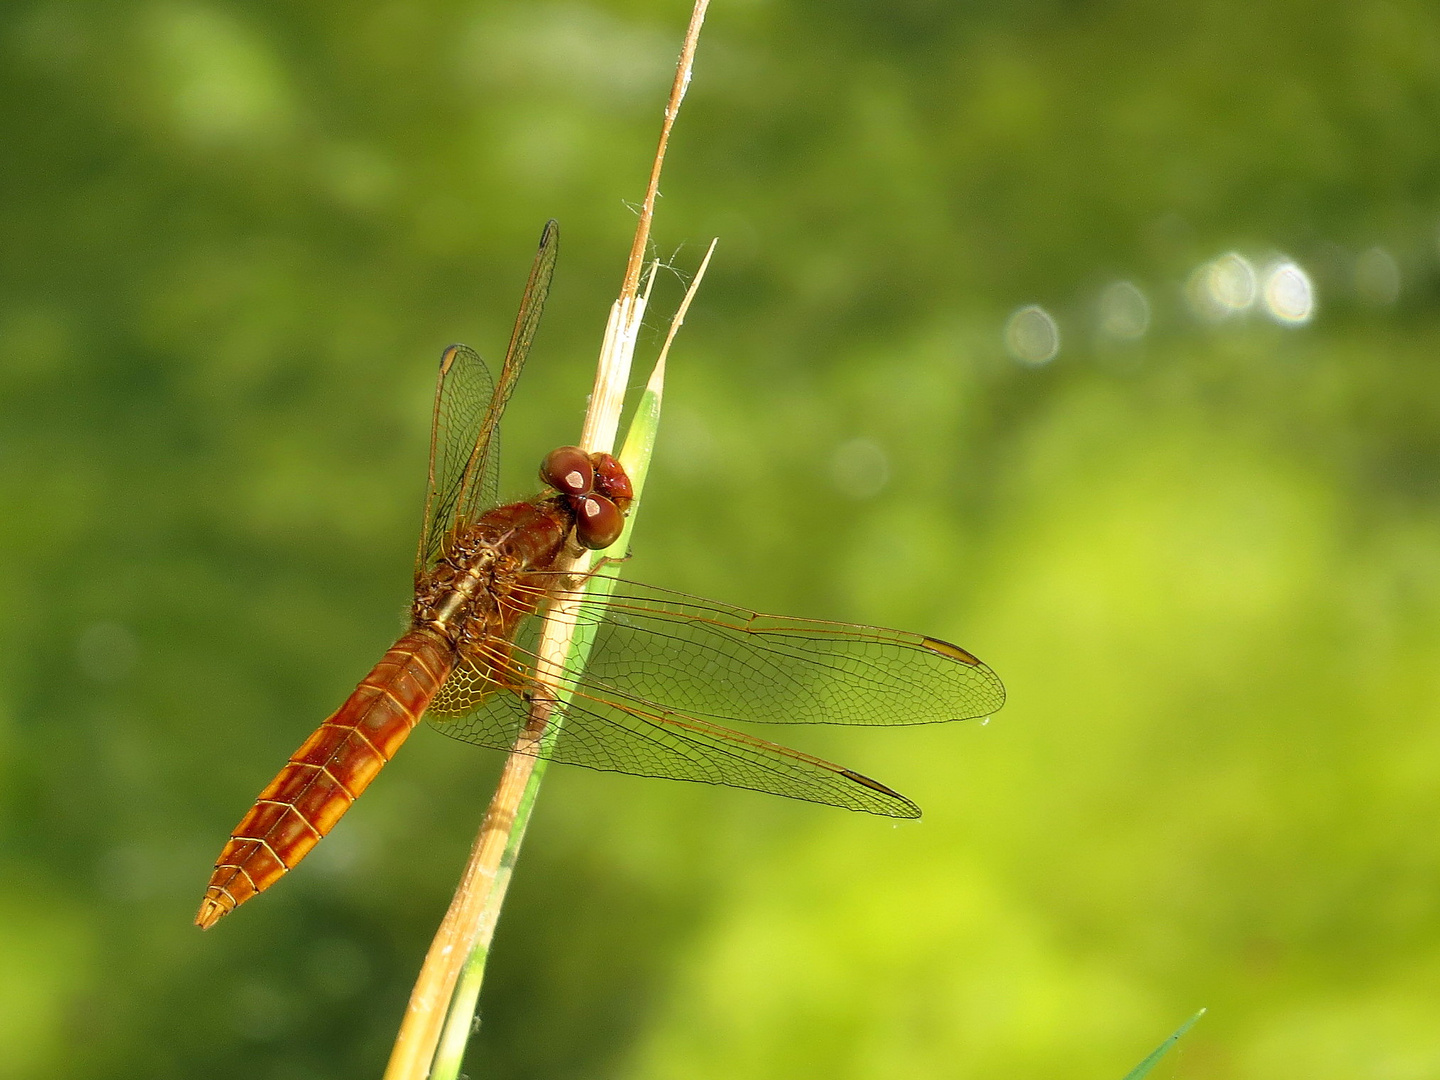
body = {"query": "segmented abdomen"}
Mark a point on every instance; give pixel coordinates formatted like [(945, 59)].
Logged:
[(328, 772)]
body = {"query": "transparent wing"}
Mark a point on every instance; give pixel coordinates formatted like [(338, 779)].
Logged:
[(464, 391), (642, 740), (664, 666), (729, 663), (465, 425)]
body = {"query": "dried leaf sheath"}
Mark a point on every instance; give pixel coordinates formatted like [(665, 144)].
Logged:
[(328, 772)]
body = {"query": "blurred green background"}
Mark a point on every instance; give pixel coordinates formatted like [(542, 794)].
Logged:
[(1199, 540)]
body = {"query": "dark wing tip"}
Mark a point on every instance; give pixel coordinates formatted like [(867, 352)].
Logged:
[(952, 652), (450, 352), (898, 806)]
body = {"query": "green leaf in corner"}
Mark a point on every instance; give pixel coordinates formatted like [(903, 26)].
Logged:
[(1143, 1069)]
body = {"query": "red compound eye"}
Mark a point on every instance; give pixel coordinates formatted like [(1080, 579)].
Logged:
[(568, 470), (598, 521), (611, 479)]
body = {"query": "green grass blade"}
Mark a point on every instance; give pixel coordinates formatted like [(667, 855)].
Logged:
[(1143, 1069)]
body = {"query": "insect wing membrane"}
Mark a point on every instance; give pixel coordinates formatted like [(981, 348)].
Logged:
[(632, 737), (464, 391), (664, 666), (465, 427), (728, 663)]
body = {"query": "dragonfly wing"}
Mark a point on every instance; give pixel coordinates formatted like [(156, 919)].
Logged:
[(464, 392), (633, 737), (664, 667), (727, 663), (465, 425), (467, 689)]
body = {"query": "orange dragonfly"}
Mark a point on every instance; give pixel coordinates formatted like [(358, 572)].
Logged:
[(665, 669)]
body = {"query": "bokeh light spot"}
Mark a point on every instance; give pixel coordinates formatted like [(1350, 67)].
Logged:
[(1223, 287), (860, 468), (1289, 296), (1032, 336), (1124, 311)]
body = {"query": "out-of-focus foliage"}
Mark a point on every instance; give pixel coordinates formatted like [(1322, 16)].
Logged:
[(1203, 551)]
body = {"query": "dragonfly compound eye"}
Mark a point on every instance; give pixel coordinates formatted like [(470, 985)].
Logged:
[(568, 470), (611, 480), (598, 521)]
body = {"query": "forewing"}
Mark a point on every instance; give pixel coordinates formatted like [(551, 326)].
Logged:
[(465, 426), (713, 660), (464, 393), (527, 320)]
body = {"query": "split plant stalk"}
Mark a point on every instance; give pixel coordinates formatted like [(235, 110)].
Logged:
[(462, 941)]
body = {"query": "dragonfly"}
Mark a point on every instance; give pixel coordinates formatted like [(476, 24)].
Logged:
[(666, 676)]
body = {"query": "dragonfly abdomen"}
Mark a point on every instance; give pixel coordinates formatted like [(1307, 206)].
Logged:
[(328, 772)]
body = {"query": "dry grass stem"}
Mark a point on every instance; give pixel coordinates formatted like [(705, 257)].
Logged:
[(672, 109)]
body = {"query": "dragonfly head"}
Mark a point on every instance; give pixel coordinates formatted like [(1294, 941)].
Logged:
[(568, 470), (598, 521), (612, 481), (595, 487)]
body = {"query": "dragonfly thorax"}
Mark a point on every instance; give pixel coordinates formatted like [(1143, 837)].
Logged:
[(478, 588)]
